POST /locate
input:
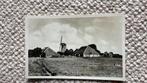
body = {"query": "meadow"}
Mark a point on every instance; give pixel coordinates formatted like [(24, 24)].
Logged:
[(77, 66)]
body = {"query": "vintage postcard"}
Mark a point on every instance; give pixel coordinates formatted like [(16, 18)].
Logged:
[(75, 47)]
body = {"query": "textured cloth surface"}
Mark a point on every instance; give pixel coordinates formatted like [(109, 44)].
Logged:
[(12, 33)]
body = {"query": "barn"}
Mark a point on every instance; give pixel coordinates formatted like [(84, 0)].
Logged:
[(90, 52), (87, 51), (49, 52)]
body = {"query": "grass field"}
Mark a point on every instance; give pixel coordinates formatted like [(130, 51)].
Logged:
[(102, 67)]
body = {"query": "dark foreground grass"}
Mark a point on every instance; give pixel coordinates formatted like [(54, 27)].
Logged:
[(102, 67)]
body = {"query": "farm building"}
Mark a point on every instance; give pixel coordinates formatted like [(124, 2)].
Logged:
[(48, 52), (90, 52), (87, 51)]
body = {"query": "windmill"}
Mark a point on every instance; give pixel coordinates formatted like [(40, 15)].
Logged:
[(62, 47)]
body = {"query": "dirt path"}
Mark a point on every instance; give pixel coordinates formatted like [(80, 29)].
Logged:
[(44, 68)]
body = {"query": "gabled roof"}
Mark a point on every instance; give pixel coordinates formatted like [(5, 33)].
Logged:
[(90, 50), (49, 52), (85, 49)]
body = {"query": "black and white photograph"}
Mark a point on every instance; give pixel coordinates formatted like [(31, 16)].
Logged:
[(75, 47)]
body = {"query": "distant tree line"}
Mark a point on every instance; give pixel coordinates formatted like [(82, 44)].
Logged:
[(79, 52), (111, 54), (38, 52), (68, 52)]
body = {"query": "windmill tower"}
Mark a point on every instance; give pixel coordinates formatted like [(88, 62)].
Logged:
[(62, 47)]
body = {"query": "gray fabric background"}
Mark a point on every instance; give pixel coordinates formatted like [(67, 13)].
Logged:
[(12, 13)]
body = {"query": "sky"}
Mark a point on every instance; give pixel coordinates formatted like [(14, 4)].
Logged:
[(105, 32)]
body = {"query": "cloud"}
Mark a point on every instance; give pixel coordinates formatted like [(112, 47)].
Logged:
[(105, 33), (50, 34)]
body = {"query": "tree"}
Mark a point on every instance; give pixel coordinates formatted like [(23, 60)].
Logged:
[(30, 53), (68, 52), (37, 52), (93, 46), (61, 53), (117, 56), (43, 55), (106, 54), (71, 52)]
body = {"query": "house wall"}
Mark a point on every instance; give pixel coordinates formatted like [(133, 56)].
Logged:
[(91, 55)]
